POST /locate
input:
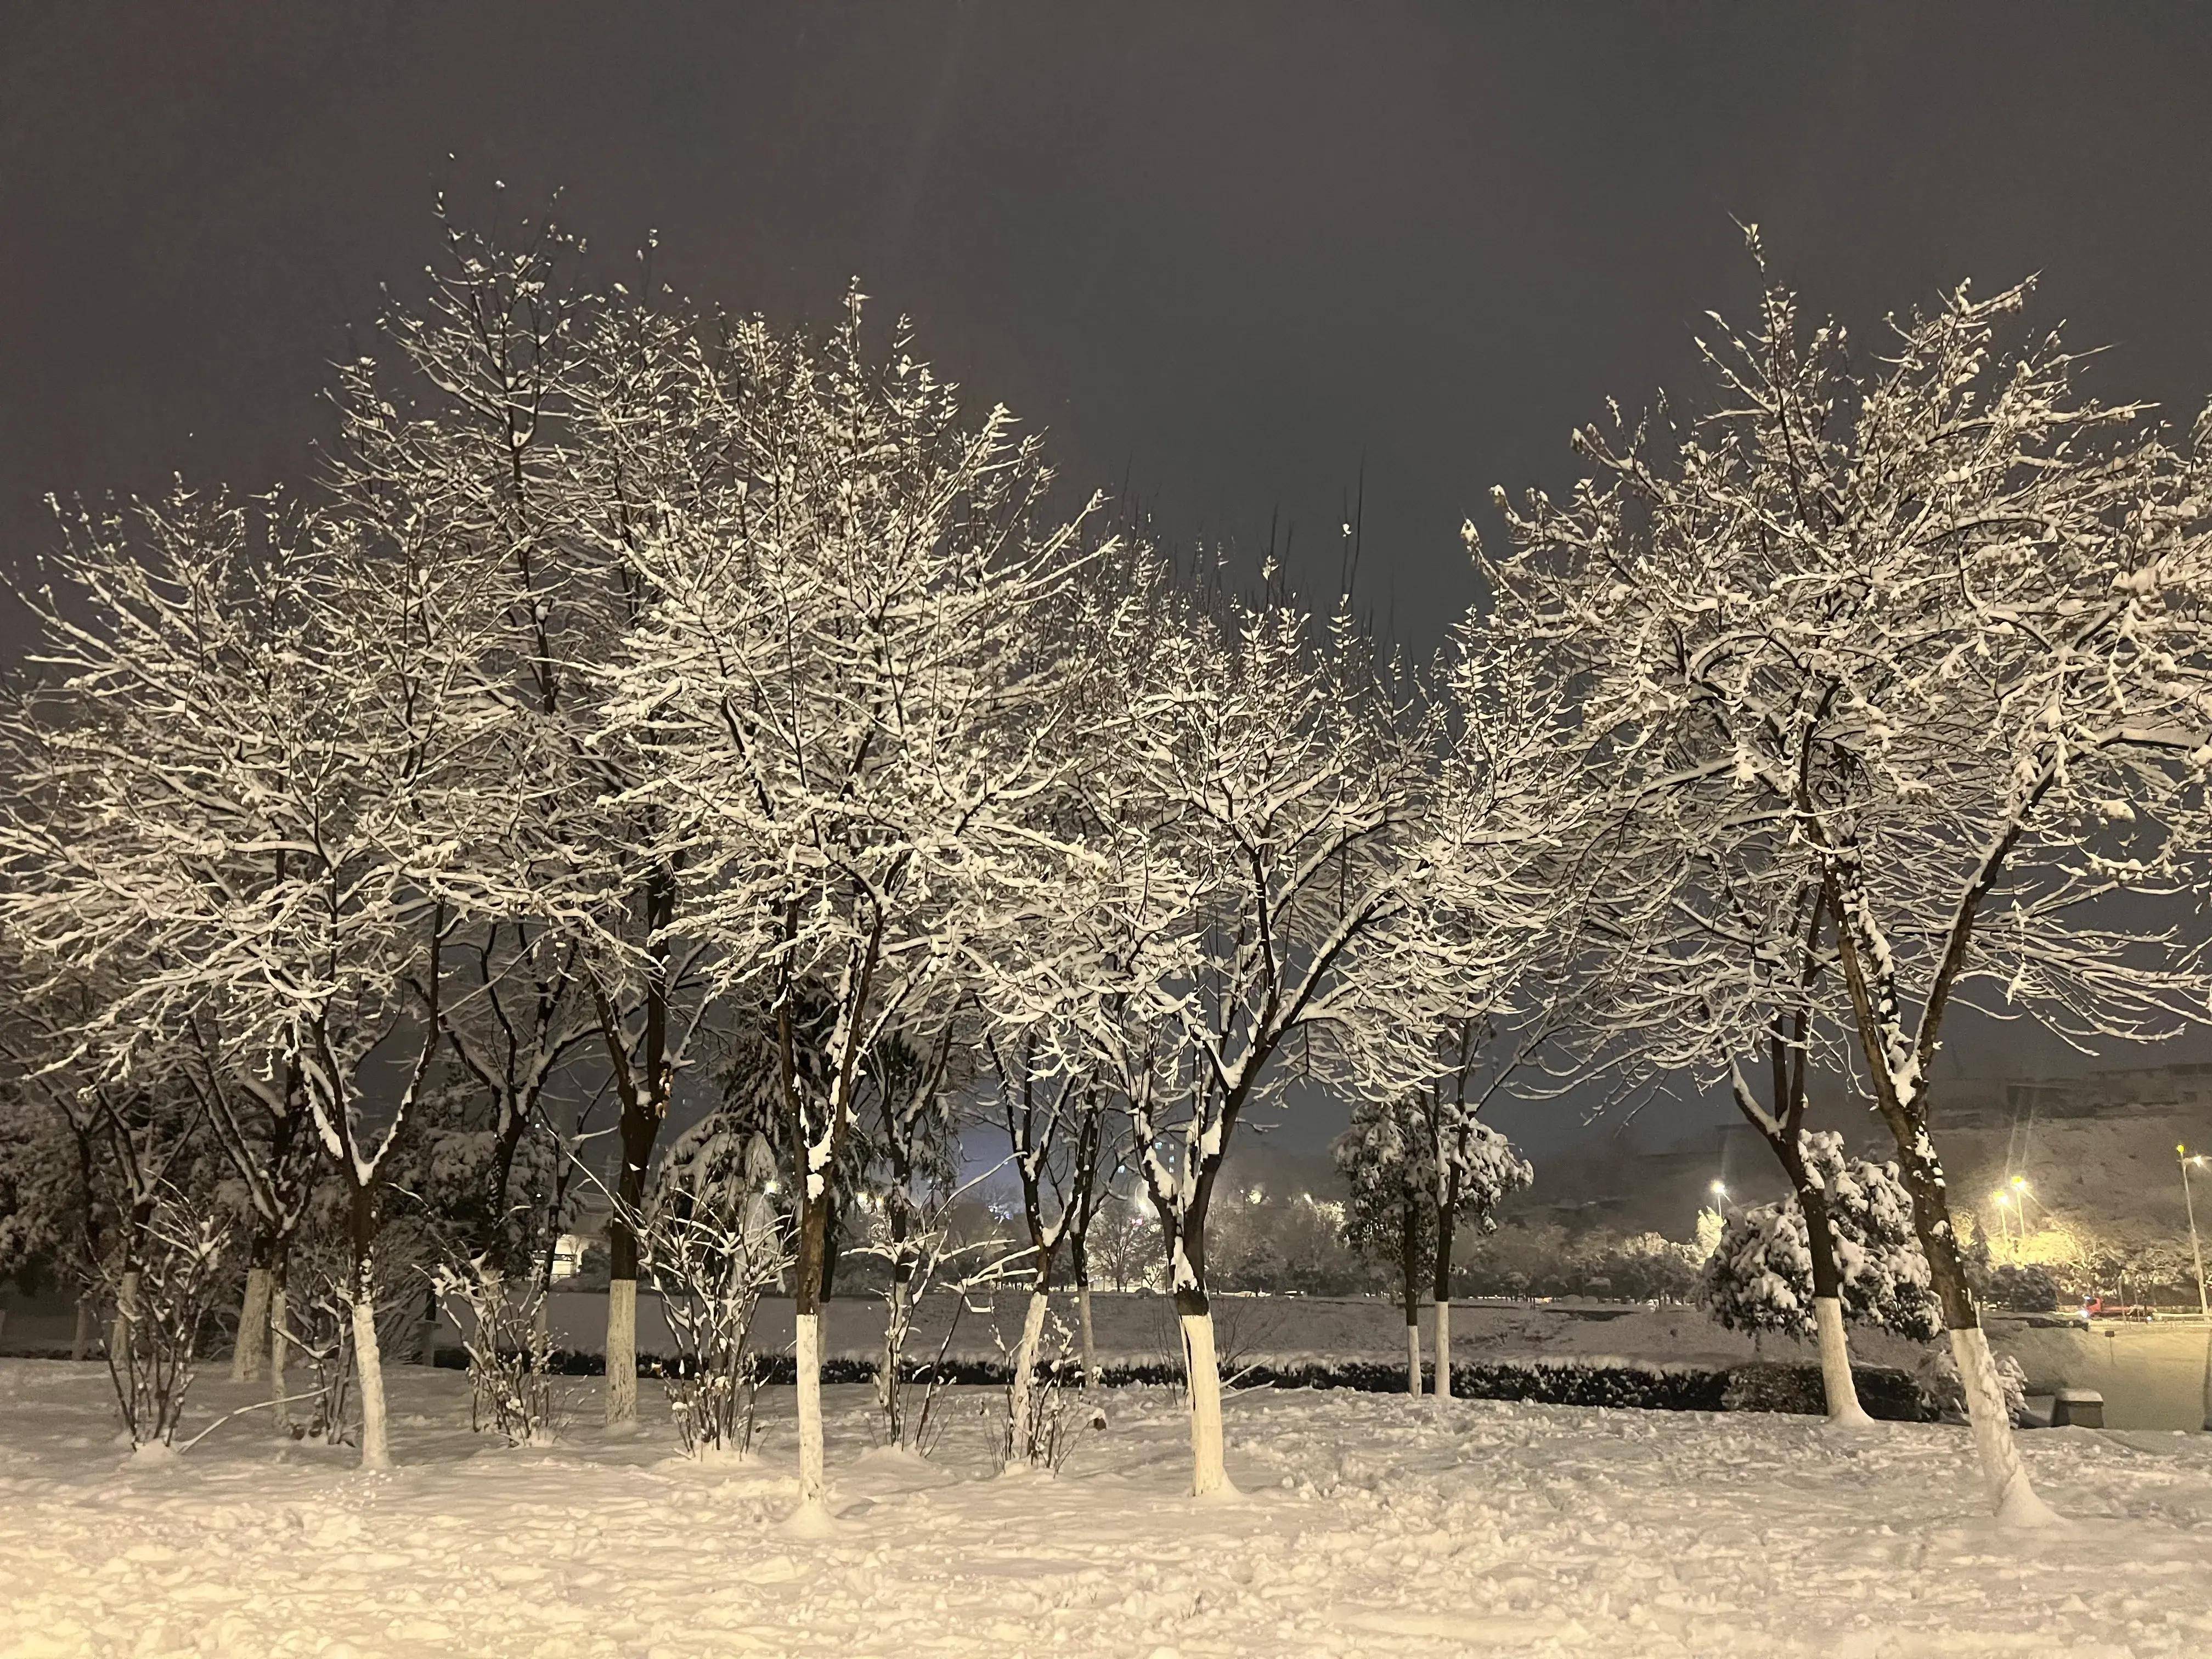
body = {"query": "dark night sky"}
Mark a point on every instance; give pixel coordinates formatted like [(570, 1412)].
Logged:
[(1233, 252)]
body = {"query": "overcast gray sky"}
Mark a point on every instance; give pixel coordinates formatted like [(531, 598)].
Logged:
[(1233, 253)]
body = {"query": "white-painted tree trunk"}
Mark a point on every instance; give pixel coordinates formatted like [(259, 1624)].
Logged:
[(1835, 1380), (2014, 1500), (88, 1323), (250, 1351), (1441, 1387), (1203, 1369), (813, 1482), (622, 1353), (375, 1435), (1090, 1342), (1021, 1396), (280, 1352), (1413, 1357)]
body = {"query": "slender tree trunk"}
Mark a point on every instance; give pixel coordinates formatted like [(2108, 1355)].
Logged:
[(640, 1124), (1440, 1289), (807, 1307), (375, 1435), (1021, 1397), (1410, 1292), (2003, 1471), (126, 1316), (1080, 1264), (280, 1347), (900, 1225), (1836, 1380), (887, 1368), (88, 1325)]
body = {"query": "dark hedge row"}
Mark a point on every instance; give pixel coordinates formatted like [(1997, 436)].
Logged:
[(1885, 1393)]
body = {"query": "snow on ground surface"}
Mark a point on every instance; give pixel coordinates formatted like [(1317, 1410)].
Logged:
[(1368, 1524)]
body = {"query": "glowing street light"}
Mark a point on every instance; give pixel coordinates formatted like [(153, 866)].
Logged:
[(2195, 1249), (2003, 1201)]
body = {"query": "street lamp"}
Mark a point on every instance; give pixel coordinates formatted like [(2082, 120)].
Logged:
[(2002, 1199), (2195, 1249)]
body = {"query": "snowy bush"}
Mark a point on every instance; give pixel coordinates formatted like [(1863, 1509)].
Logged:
[(161, 1301), (1760, 1277), (509, 1348), (2022, 1289), (713, 1241)]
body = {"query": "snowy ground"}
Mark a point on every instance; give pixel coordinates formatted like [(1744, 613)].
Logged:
[(1369, 1524)]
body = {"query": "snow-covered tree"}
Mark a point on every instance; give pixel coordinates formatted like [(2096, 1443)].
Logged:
[(1389, 1213), (1761, 1275), (532, 433), (1253, 796), (1471, 1168), (1939, 620), (1055, 1124), (251, 711), (836, 690)]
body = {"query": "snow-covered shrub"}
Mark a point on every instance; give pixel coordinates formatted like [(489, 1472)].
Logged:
[(161, 1302), (1760, 1277), (509, 1348), (2023, 1289), (712, 1240)]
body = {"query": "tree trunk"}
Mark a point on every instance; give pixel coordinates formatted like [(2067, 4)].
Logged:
[(622, 1353), (250, 1351), (2012, 1496), (1410, 1290), (1837, 1383), (375, 1438), (1021, 1397), (1090, 1344), (1208, 1474), (87, 1323), (119, 1330), (1440, 1289), (807, 1307), (1843, 1395), (2014, 1499), (1875, 1011), (813, 1482), (887, 1367), (279, 1349)]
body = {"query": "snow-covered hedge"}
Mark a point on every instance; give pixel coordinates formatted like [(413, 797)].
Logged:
[(1646, 1385)]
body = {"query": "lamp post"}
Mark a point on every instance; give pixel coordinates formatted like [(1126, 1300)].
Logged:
[(2001, 1199), (2189, 1202)]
